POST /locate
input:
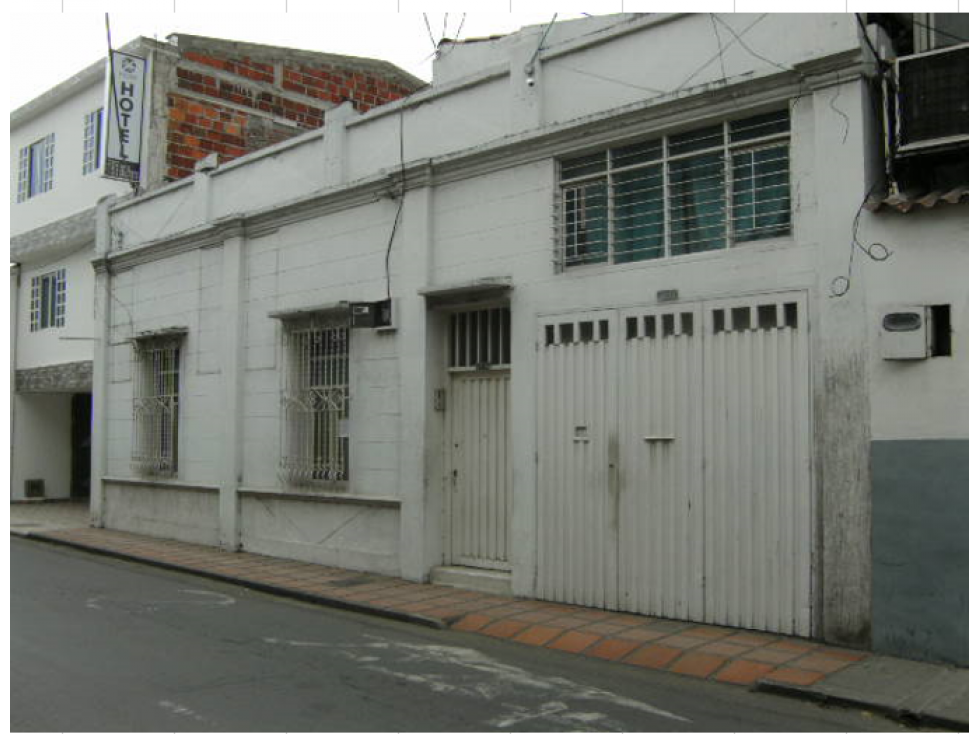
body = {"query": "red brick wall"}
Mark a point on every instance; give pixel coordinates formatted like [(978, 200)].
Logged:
[(196, 127)]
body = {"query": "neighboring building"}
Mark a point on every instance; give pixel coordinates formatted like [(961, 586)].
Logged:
[(568, 324), (919, 458), (204, 97)]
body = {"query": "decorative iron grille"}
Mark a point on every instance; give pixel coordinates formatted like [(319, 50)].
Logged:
[(315, 402), (156, 401)]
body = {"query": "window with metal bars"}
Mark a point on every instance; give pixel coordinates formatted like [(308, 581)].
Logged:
[(156, 403), (36, 170), (315, 401), (479, 339), (48, 297), (706, 189)]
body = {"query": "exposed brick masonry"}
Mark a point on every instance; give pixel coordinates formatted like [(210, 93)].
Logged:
[(197, 127)]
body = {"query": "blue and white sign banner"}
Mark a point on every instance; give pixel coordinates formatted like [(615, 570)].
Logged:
[(124, 121)]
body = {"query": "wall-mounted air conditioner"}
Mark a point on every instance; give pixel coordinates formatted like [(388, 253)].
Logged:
[(932, 105)]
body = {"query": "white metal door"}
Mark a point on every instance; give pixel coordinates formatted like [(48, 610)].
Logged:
[(673, 461), (480, 483), (577, 493), (661, 512), (758, 496)]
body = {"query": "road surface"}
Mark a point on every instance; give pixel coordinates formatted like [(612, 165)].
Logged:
[(99, 644)]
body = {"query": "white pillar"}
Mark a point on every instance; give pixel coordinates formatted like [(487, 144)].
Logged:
[(100, 360), (232, 366)]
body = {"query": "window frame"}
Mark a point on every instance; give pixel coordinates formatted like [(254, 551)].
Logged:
[(36, 169), (157, 383), (664, 205), (92, 142), (479, 338), (49, 296), (315, 401)]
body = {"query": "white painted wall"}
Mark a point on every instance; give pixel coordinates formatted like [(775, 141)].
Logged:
[(920, 398), (74, 341), (41, 445)]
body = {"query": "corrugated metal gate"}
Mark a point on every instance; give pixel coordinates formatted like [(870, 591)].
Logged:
[(673, 461)]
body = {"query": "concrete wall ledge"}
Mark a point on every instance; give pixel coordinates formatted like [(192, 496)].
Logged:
[(160, 484), (327, 497)]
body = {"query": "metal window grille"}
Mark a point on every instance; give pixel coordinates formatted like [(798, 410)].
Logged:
[(315, 402), (479, 339), (48, 299), (91, 143), (36, 169), (706, 189), (156, 405)]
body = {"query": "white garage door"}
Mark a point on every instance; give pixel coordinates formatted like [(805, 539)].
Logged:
[(673, 461)]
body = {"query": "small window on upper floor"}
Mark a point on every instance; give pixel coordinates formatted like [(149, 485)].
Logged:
[(36, 172), (48, 296), (92, 142)]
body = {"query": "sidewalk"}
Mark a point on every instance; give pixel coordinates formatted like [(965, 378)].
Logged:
[(917, 693)]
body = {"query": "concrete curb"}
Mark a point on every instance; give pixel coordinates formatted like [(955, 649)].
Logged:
[(323, 601), (902, 715)]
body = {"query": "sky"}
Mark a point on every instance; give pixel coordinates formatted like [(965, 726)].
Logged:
[(75, 37), (50, 40)]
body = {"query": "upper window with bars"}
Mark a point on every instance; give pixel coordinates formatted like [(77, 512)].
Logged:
[(706, 189)]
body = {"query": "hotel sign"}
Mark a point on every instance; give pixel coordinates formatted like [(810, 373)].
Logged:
[(124, 121)]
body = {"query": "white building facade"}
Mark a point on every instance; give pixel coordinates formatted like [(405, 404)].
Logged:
[(55, 183), (564, 324)]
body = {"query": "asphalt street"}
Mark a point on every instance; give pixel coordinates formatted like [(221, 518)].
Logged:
[(99, 644)]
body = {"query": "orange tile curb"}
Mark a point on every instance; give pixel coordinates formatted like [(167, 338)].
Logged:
[(574, 641), (654, 656)]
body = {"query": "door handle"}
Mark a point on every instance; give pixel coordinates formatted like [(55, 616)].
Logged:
[(658, 439)]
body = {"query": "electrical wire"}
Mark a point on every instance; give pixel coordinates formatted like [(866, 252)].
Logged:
[(401, 201), (877, 252), (720, 51), (708, 62), (530, 64), (746, 47), (838, 111), (429, 28), (952, 36)]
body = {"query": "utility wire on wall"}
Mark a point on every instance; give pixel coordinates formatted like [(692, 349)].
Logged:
[(401, 200), (877, 252)]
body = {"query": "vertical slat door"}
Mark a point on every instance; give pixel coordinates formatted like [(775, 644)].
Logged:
[(758, 497), (481, 485), (673, 461), (661, 513), (576, 512)]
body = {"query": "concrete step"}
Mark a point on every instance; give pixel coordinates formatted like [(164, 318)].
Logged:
[(473, 579)]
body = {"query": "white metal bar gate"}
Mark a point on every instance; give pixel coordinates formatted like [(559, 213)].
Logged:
[(480, 483), (673, 461)]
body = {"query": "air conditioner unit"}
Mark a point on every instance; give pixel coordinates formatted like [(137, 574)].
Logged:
[(932, 106)]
